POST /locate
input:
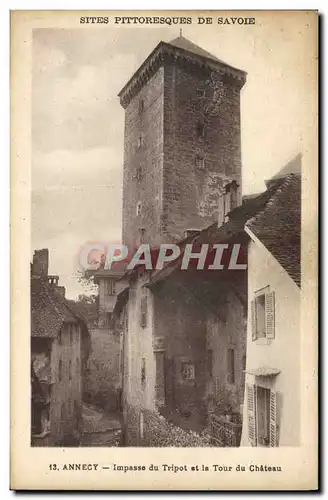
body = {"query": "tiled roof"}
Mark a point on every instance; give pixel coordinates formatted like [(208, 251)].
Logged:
[(274, 216), (48, 312), (214, 234), (278, 226)]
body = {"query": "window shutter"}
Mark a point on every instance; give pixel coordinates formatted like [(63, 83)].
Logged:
[(273, 419), (251, 414), (269, 315), (254, 328)]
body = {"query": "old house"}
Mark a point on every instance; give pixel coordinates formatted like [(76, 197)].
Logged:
[(272, 412), (184, 332), (59, 350)]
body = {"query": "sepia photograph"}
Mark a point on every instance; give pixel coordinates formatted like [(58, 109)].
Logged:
[(169, 190)]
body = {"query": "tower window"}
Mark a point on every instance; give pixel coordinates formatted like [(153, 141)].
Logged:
[(231, 366), (139, 173), (143, 372), (141, 105), (200, 93), (200, 129), (138, 209), (143, 312), (142, 231), (140, 141), (200, 162)]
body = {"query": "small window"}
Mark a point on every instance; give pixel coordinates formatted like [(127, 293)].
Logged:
[(110, 287), (139, 173), (60, 370), (143, 312), (141, 106), (108, 319), (142, 232), (231, 366), (209, 363), (70, 369), (143, 372), (263, 314), (141, 425), (187, 371), (260, 316), (138, 208), (200, 92), (140, 141), (71, 331), (200, 130), (62, 413), (200, 162)]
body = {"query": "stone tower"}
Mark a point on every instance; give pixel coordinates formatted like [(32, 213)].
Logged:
[(182, 141)]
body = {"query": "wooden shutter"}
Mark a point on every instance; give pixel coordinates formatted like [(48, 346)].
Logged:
[(253, 318), (251, 414), (273, 419), (269, 315)]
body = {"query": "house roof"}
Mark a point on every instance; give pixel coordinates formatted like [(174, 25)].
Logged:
[(215, 235), (294, 166), (49, 311), (278, 225)]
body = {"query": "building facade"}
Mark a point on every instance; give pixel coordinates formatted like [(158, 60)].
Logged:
[(272, 391), (59, 349)]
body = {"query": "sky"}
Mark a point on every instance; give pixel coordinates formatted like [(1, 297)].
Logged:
[(78, 123)]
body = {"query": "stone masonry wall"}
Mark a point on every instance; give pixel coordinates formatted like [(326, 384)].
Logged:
[(149, 428), (190, 192), (102, 375), (142, 175)]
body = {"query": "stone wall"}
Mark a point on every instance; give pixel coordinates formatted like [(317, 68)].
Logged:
[(102, 380), (149, 428), (190, 192), (142, 174)]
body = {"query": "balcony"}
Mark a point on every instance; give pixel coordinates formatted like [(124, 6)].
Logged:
[(225, 432)]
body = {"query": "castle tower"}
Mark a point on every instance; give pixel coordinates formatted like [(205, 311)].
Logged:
[(182, 141)]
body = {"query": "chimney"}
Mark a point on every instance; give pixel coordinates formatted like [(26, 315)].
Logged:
[(60, 292), (228, 201), (40, 263)]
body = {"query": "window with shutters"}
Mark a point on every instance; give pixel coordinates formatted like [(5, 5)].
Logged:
[(261, 416), (263, 314), (110, 288)]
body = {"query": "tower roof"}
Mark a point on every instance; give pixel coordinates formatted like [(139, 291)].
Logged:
[(182, 43), (185, 50)]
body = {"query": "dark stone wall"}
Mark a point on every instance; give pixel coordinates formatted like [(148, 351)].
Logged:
[(190, 192), (181, 320)]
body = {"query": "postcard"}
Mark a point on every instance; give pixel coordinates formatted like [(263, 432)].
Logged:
[(164, 222)]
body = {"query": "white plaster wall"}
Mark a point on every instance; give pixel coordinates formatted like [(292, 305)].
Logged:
[(139, 345), (282, 352)]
